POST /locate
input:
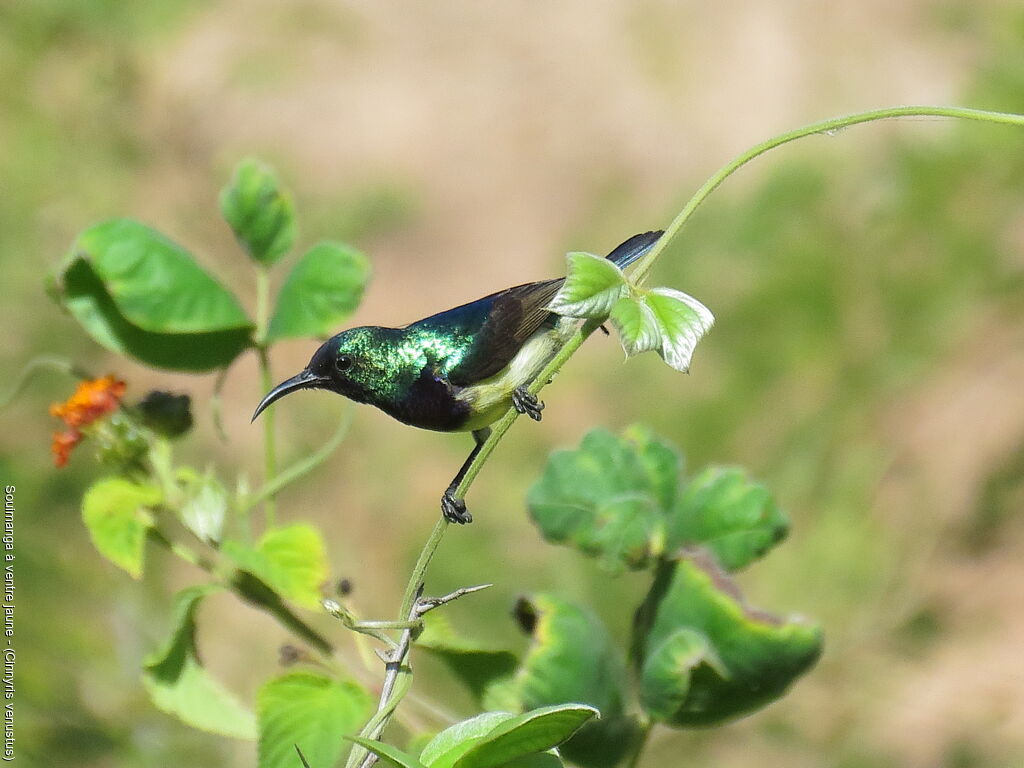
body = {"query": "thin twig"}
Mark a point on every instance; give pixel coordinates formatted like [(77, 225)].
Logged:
[(286, 477)]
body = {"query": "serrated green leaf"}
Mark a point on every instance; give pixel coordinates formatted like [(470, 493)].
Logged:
[(636, 325), (389, 754), (727, 511), (322, 289), (665, 677), (753, 656), (259, 211), (205, 506), (179, 685), (139, 294), (683, 321), (310, 711), (660, 462), (607, 498), (291, 560), (573, 659), (118, 515), (532, 732), (456, 740), (484, 671), (627, 531), (592, 287)]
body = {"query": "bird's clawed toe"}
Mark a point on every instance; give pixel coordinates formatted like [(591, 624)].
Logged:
[(454, 510), (526, 403)]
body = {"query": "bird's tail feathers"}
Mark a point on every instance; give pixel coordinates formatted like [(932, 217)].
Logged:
[(631, 250)]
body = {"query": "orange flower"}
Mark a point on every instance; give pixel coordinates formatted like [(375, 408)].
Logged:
[(91, 401), (63, 443)]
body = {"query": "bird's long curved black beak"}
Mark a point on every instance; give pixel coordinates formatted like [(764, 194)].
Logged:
[(303, 380)]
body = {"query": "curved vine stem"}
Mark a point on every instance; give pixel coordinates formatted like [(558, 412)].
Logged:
[(398, 675), (823, 127)]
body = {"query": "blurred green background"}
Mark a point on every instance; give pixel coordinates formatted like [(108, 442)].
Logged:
[(867, 362)]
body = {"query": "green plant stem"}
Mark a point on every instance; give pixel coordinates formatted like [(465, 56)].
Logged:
[(300, 468), (398, 675), (267, 379), (59, 364), (217, 403), (181, 550), (824, 127)]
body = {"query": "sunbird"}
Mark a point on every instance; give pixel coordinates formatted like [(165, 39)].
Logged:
[(457, 371)]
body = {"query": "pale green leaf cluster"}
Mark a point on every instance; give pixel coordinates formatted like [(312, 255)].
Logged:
[(664, 320)]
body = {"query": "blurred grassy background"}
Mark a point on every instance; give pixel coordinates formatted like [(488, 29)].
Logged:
[(867, 361)]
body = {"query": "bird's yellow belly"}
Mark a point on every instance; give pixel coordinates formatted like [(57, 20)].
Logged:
[(491, 398)]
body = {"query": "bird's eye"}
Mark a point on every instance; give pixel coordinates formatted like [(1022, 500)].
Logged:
[(343, 363)]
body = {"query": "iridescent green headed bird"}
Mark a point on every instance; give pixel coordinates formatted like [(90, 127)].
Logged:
[(458, 370)]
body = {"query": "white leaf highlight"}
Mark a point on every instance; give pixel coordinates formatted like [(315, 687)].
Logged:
[(683, 321)]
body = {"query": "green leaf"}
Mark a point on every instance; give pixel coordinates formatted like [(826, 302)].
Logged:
[(291, 560), (730, 513), (636, 324), (323, 289), (118, 514), (456, 740), (533, 732), (752, 657), (389, 754), (683, 321), (484, 671), (138, 294), (205, 506), (573, 659), (665, 677), (591, 288), (259, 211), (608, 498), (179, 685), (310, 711), (539, 760), (156, 283)]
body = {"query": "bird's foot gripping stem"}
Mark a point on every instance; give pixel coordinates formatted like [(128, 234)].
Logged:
[(526, 403), (454, 509)]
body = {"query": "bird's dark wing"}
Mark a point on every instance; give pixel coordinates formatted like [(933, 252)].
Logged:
[(513, 316)]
